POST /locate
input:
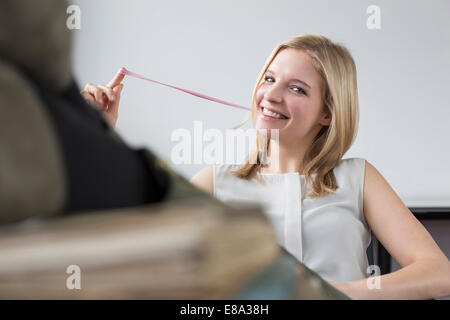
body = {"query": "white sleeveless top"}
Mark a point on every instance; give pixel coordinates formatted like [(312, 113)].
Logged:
[(328, 234)]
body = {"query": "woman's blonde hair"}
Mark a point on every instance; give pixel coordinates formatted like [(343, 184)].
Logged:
[(337, 69)]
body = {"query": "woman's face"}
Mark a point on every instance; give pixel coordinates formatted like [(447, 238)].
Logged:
[(291, 89)]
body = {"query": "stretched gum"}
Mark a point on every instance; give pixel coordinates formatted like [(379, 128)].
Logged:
[(197, 94)]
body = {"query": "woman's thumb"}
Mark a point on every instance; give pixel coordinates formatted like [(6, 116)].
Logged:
[(118, 89), (115, 104)]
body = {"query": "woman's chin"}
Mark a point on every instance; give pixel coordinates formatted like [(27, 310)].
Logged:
[(268, 125)]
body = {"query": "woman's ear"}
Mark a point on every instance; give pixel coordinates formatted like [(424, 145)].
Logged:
[(326, 118)]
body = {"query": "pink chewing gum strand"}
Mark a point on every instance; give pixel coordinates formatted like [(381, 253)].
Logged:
[(200, 95)]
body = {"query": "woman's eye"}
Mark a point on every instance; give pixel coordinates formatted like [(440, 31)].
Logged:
[(299, 90), (294, 88)]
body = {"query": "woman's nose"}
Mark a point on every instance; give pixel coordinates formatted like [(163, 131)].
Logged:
[(274, 93)]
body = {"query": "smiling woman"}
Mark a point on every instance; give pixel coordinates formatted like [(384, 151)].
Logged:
[(323, 207), (302, 81)]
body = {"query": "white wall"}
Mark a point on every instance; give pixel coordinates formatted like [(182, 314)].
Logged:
[(219, 47)]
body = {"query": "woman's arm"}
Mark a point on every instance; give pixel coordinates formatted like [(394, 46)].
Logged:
[(426, 269), (204, 179)]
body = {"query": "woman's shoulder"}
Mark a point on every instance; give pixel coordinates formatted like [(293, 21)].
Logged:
[(204, 179), (220, 170), (345, 166), (350, 164), (350, 171)]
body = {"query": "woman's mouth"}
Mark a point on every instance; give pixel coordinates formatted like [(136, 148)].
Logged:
[(271, 114)]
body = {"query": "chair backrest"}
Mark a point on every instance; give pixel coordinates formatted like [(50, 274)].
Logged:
[(31, 169), (34, 43)]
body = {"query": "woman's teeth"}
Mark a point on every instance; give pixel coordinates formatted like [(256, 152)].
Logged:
[(273, 114)]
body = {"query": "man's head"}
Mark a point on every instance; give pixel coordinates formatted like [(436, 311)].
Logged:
[(34, 38)]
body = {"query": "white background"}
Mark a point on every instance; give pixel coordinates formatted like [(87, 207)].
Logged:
[(219, 47)]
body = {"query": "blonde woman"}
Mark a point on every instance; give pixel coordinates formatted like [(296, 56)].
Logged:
[(322, 206)]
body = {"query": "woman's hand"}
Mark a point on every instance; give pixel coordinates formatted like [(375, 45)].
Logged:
[(105, 97)]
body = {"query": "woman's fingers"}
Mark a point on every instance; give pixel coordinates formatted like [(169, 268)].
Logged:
[(88, 97), (92, 96), (116, 80), (96, 93), (113, 107), (108, 92), (112, 112), (105, 98), (102, 94)]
